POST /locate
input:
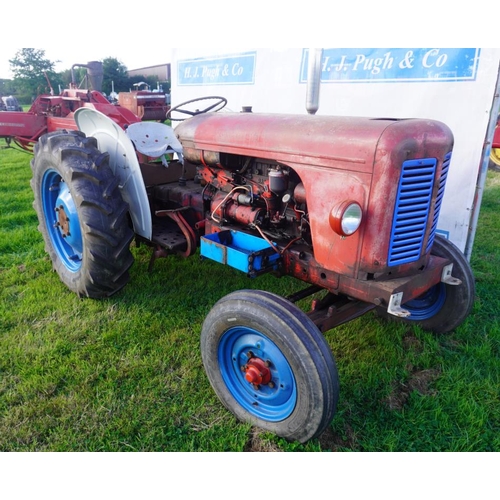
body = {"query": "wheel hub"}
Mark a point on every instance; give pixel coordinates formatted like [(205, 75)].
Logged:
[(257, 372), (62, 221)]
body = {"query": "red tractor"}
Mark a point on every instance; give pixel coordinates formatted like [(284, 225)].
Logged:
[(347, 205)]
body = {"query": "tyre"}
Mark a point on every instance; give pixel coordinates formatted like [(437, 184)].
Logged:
[(443, 307), (270, 365), (82, 216), (494, 163)]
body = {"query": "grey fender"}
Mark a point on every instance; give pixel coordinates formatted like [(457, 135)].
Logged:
[(112, 139)]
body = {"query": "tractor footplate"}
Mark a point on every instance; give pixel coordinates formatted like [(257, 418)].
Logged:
[(167, 239), (168, 235)]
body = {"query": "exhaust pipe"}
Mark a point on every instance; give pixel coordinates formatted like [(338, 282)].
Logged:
[(313, 80)]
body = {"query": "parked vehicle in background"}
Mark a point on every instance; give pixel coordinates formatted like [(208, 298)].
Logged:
[(10, 103)]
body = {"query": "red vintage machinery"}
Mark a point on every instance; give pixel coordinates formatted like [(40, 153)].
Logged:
[(55, 112), (145, 103), (348, 205)]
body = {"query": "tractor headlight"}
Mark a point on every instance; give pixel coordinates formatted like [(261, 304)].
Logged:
[(346, 217)]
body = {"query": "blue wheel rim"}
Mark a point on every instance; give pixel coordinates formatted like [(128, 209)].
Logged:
[(56, 196), (428, 304), (273, 402)]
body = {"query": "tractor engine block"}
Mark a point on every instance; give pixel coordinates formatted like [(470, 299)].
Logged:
[(258, 194)]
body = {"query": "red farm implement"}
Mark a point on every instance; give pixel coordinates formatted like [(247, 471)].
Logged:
[(56, 112)]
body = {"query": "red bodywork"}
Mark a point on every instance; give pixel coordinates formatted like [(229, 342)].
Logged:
[(336, 159), (49, 113)]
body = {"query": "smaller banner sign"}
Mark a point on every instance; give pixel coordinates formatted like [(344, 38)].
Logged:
[(225, 70)]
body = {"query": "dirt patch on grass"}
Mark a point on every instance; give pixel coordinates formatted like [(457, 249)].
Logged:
[(256, 443), (332, 441), (329, 441), (411, 342), (419, 380)]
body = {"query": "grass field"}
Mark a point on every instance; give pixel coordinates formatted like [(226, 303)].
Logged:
[(125, 374)]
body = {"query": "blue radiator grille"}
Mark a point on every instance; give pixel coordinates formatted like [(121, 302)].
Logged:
[(439, 200), (411, 212)]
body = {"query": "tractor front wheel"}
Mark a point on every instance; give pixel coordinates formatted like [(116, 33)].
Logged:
[(270, 365), (82, 216)]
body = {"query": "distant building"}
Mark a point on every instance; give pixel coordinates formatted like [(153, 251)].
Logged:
[(161, 72)]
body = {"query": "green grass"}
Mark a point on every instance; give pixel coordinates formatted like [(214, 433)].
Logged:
[(125, 374)]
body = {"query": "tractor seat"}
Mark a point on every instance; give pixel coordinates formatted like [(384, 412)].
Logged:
[(155, 140)]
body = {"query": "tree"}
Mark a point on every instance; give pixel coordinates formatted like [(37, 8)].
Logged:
[(115, 76), (31, 70), (6, 87)]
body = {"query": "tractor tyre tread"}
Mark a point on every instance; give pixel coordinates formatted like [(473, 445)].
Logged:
[(102, 213)]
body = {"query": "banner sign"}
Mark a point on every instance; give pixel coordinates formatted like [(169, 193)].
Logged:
[(225, 70), (389, 65)]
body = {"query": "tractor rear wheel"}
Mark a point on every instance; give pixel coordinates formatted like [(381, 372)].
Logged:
[(270, 365), (82, 216)]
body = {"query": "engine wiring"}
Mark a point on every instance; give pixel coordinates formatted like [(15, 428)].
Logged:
[(228, 195)]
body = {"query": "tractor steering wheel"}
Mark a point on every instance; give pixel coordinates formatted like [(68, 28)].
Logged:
[(220, 102)]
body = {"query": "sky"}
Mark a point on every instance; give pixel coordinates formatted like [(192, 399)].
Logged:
[(70, 55), (139, 40)]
